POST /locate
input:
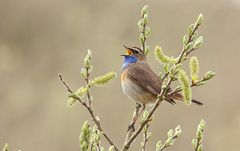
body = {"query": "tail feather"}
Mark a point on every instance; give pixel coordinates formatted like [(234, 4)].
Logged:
[(197, 102), (178, 96)]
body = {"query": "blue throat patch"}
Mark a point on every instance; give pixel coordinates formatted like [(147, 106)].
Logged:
[(128, 60)]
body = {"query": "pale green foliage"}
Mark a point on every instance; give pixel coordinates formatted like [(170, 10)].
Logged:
[(190, 29), (159, 145), (144, 29), (6, 147), (194, 68), (71, 102), (198, 42), (146, 133), (144, 10), (160, 56), (73, 97), (95, 139), (197, 141), (185, 39), (88, 59), (145, 115), (200, 19), (84, 72), (187, 92), (209, 75), (89, 138), (175, 69), (188, 46), (80, 92), (76, 96), (142, 38), (84, 138), (172, 136), (99, 81)]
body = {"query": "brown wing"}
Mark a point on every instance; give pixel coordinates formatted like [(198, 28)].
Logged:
[(141, 74)]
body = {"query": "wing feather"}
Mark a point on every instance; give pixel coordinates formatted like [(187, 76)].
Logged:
[(141, 74)]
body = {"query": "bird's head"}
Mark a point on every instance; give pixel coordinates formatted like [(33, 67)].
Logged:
[(135, 52), (133, 55)]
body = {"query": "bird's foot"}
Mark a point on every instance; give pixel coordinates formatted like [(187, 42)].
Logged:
[(131, 127), (137, 114)]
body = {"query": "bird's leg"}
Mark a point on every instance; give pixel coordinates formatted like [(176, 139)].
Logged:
[(136, 115)]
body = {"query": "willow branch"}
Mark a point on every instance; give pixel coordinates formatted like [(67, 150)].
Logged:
[(144, 38), (91, 111), (131, 128), (145, 137), (190, 39)]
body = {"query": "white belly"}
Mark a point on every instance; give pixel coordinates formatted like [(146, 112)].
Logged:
[(134, 92)]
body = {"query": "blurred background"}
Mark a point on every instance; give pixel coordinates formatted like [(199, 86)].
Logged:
[(41, 38)]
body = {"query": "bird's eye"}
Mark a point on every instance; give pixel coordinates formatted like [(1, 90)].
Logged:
[(135, 51)]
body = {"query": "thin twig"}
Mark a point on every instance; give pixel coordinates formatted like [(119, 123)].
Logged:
[(131, 128), (70, 91), (192, 85), (91, 112), (64, 83), (167, 145), (145, 137), (144, 38)]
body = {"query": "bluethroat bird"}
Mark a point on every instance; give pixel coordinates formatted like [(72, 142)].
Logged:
[(140, 83)]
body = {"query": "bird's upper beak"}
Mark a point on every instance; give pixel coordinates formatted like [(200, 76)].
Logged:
[(129, 52)]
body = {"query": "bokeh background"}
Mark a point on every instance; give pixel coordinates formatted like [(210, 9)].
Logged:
[(41, 38)]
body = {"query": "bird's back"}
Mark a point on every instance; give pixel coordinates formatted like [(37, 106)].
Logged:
[(140, 82)]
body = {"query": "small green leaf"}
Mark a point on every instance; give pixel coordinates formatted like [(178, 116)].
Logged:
[(185, 39), (166, 68), (84, 72), (200, 19), (145, 115), (159, 145), (140, 24), (145, 18), (146, 50), (88, 59), (142, 39), (198, 42), (147, 30), (190, 29), (175, 69), (209, 75), (188, 46), (178, 130), (144, 10)]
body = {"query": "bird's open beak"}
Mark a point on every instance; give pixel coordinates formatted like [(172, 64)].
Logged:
[(129, 52)]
